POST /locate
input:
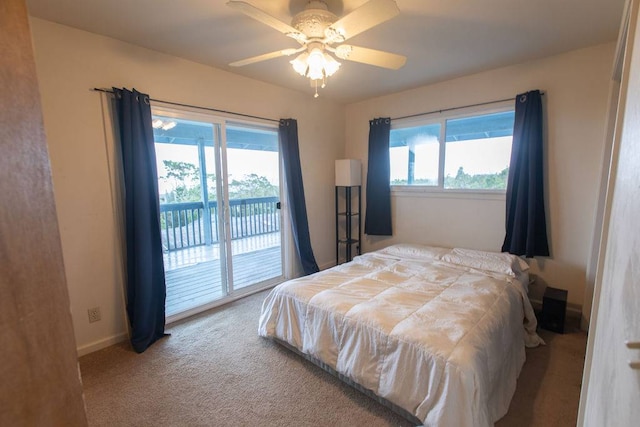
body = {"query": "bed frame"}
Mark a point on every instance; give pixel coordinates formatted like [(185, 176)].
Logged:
[(384, 402)]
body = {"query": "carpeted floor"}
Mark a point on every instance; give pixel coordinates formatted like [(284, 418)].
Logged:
[(215, 371)]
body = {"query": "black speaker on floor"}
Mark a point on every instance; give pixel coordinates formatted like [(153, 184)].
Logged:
[(554, 308)]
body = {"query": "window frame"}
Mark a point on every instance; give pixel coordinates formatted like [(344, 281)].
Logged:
[(441, 117)]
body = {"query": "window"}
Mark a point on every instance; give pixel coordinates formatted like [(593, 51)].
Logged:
[(470, 152), (414, 155)]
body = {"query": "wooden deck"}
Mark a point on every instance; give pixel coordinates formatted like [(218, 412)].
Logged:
[(194, 278)]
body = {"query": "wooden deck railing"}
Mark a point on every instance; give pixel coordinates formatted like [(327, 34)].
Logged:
[(184, 225)]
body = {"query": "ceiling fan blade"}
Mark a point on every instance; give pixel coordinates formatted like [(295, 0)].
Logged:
[(370, 56), (265, 56), (368, 15), (262, 16)]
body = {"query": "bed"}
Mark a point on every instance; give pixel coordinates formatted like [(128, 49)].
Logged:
[(438, 333)]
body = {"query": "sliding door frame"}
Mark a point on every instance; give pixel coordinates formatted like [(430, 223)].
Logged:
[(219, 124)]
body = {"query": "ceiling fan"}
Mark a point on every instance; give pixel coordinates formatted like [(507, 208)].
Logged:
[(321, 32)]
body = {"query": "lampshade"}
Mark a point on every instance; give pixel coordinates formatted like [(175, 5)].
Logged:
[(348, 173), (300, 63), (330, 65)]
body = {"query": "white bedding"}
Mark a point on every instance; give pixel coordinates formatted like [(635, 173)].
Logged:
[(443, 341)]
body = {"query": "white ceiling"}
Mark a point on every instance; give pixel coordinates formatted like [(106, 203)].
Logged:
[(442, 39)]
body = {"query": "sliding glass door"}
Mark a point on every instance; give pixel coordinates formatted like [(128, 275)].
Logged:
[(253, 177), (219, 189)]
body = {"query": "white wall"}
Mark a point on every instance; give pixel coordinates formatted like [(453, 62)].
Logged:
[(69, 63), (576, 86)]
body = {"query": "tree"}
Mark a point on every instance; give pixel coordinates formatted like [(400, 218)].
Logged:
[(184, 179), (251, 186), (493, 181)]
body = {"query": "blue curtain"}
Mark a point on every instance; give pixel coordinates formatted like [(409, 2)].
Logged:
[(526, 226), (288, 135), (378, 214), (146, 289)]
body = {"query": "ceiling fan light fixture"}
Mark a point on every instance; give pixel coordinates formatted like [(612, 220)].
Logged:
[(168, 125), (300, 63), (330, 65), (316, 59), (315, 73), (316, 64), (162, 124)]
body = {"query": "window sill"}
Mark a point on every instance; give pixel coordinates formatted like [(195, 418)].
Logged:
[(439, 193)]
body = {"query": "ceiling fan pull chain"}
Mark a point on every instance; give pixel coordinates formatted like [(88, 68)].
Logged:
[(316, 95)]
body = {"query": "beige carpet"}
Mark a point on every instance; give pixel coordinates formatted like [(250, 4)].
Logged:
[(215, 371)]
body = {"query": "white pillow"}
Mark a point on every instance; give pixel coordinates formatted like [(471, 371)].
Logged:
[(504, 263), (409, 250)]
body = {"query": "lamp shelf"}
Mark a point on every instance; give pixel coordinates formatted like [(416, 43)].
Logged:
[(348, 222), (348, 194)]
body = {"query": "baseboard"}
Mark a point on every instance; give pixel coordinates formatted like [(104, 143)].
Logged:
[(100, 344), (327, 265)]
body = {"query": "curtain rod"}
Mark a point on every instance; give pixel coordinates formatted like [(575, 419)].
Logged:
[(455, 108), (198, 107)]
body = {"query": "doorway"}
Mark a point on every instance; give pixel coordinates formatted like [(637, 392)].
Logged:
[(219, 185)]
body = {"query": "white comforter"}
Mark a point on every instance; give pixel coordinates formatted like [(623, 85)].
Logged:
[(443, 341)]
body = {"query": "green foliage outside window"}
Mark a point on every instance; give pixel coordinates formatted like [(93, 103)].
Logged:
[(494, 181), (462, 180), (184, 180), (252, 186)]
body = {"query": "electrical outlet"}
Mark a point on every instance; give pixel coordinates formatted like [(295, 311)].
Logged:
[(94, 314)]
